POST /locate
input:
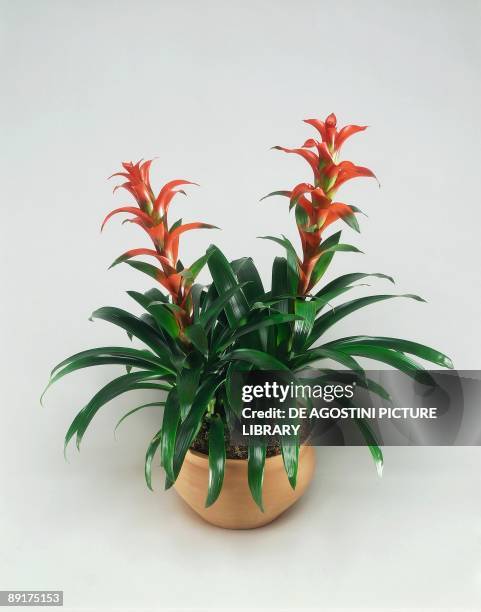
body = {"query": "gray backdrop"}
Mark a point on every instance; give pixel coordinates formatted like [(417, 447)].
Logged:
[(208, 88)]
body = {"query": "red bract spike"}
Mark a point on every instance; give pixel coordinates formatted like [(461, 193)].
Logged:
[(329, 176)]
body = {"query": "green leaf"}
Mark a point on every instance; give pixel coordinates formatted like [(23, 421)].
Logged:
[(209, 316), (372, 443), (325, 259), (224, 279), (259, 359), (285, 242), (320, 353), (348, 279), (144, 267), (393, 358), (303, 326), (328, 319), (113, 351), (191, 273), (290, 457), (149, 457), (122, 384), (86, 362), (145, 299), (164, 318), (279, 336), (248, 275), (196, 294), (234, 391), (325, 298), (255, 469), (177, 223), (348, 248), (134, 326), (279, 279), (187, 384), (281, 192), (189, 428), (170, 425), (359, 378), (398, 344), (351, 221), (134, 410), (216, 459), (196, 334), (271, 319)]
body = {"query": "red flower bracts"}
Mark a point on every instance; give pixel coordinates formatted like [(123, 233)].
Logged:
[(152, 216), (315, 205)]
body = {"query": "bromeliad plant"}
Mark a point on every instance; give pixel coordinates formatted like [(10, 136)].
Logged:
[(198, 337)]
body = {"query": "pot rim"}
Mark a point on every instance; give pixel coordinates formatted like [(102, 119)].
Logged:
[(198, 457)]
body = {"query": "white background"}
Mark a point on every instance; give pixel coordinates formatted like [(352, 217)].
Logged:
[(208, 87)]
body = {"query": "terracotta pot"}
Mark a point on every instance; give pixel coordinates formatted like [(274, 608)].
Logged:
[(235, 508)]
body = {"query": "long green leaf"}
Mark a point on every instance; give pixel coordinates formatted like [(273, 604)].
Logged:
[(134, 410), (191, 273), (303, 326), (144, 267), (170, 425), (346, 248), (292, 259), (339, 312), (189, 428), (187, 384), (325, 259), (281, 192), (255, 470), (284, 242), (209, 316), (262, 360), (233, 391), (278, 339), (317, 354), (272, 319), (224, 279), (112, 351), (290, 457), (216, 459), (398, 344), (127, 382), (247, 274), (134, 326), (372, 443), (87, 362), (348, 279), (393, 358), (196, 334), (149, 456), (164, 318)]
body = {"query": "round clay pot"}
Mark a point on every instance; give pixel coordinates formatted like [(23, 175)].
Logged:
[(235, 508)]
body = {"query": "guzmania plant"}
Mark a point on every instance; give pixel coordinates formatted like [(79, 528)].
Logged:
[(197, 337)]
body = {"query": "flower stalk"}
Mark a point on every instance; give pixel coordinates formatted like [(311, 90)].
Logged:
[(315, 203), (151, 214)]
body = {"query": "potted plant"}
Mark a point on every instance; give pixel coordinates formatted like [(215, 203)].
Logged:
[(197, 337)]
